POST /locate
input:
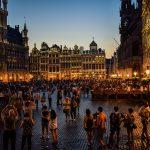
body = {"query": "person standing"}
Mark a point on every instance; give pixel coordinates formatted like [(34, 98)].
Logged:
[(77, 99), (49, 98), (145, 116), (130, 125), (101, 125), (88, 126), (27, 125), (43, 99), (115, 122), (45, 121), (37, 99), (53, 126), (9, 117), (73, 109), (66, 108)]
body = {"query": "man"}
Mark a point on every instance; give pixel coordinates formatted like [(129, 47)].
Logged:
[(50, 98), (27, 125), (115, 122), (101, 124), (9, 117), (145, 116)]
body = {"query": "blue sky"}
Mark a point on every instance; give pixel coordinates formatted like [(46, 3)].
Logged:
[(68, 22)]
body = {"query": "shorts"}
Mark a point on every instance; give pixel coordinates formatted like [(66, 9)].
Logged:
[(101, 132)]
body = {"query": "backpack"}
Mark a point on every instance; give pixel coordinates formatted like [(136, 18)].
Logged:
[(89, 123), (115, 119), (27, 127)]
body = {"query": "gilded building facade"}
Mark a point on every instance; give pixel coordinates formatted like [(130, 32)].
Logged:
[(14, 50), (130, 50), (146, 37), (56, 62)]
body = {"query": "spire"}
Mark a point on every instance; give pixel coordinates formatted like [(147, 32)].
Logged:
[(93, 38), (5, 2), (25, 25), (25, 34)]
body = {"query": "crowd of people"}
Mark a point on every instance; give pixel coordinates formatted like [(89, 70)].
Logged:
[(119, 86), (20, 100)]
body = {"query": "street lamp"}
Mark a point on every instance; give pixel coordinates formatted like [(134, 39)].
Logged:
[(128, 75), (135, 74), (147, 73)]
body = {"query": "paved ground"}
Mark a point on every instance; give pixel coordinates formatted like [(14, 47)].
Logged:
[(72, 135)]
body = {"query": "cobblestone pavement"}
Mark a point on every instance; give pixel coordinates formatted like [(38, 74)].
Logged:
[(72, 136)]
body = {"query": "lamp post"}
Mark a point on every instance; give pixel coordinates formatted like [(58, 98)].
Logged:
[(135, 74), (147, 73)]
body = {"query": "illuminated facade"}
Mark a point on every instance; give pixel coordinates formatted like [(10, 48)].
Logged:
[(14, 50), (34, 62), (146, 36), (94, 62), (130, 50), (56, 62)]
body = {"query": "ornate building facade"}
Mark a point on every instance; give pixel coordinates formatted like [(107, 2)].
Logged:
[(146, 37), (130, 50), (14, 50), (57, 62)]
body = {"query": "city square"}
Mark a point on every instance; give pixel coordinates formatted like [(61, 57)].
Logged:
[(60, 90)]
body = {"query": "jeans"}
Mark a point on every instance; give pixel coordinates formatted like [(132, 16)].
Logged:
[(28, 138), (9, 135)]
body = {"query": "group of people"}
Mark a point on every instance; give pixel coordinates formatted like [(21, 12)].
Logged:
[(97, 122), (119, 86), (24, 98)]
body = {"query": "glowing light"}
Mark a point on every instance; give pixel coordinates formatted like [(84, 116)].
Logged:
[(147, 72), (135, 74)]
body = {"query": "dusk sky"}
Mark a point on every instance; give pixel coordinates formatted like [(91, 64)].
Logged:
[(68, 22)]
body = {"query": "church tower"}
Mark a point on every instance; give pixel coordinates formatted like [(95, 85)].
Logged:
[(25, 35), (3, 20)]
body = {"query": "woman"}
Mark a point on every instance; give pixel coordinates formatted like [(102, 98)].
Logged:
[(88, 126), (66, 110), (53, 126), (130, 125)]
